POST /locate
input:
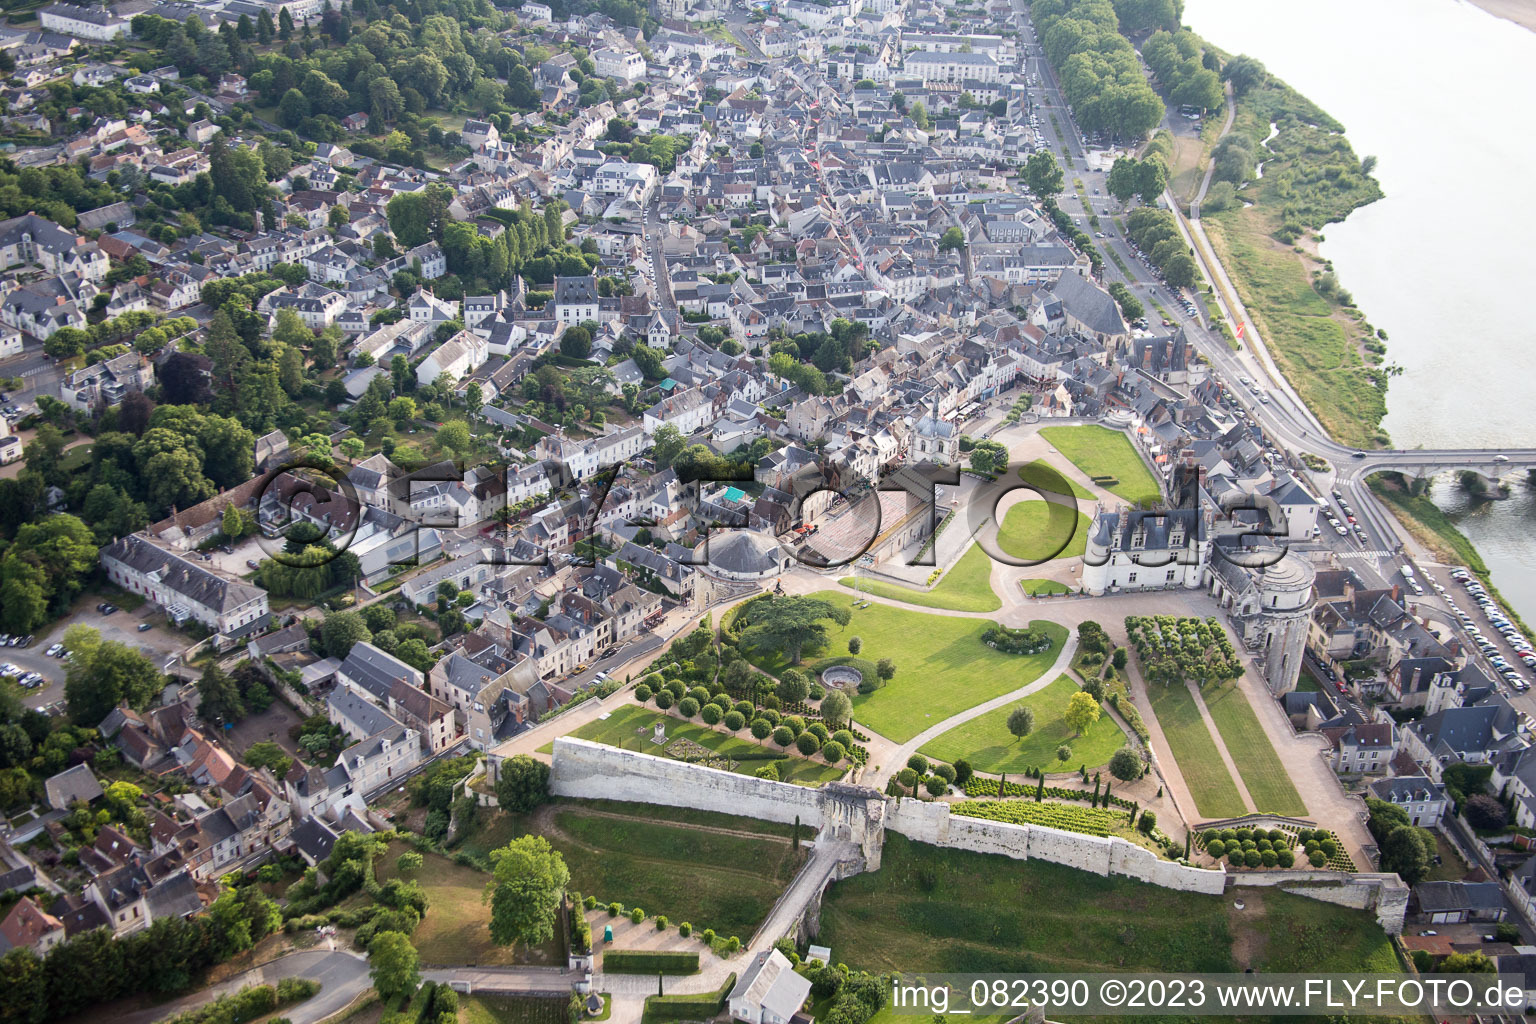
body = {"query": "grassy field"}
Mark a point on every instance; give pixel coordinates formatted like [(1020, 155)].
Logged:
[(630, 727), (1264, 776), (711, 879), (488, 1009), (942, 666), (967, 587), (1043, 588), (1045, 476), (1039, 531), (1200, 763), (928, 909), (988, 745), (1099, 451), (456, 929)]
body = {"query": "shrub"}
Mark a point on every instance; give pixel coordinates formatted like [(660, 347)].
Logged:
[(661, 922), (1285, 858), (687, 707), (945, 772), (642, 693), (819, 731), (935, 785), (794, 723), (918, 763), (664, 699), (769, 771), (1317, 858), (590, 903), (732, 944), (700, 694), (833, 751), (844, 737), (907, 777), (770, 715), (636, 961), (1063, 753), (734, 720), (1253, 858), (807, 744), (743, 708), (708, 935), (615, 909), (636, 916), (963, 772), (760, 728), (685, 929), (1215, 848), (1147, 822), (710, 713), (1270, 858), (783, 735)]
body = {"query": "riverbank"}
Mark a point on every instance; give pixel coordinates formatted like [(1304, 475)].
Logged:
[(1521, 12), (1431, 527), (1304, 176)]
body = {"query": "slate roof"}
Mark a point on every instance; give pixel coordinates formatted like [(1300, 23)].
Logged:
[(191, 580)]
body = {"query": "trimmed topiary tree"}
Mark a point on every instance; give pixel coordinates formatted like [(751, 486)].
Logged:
[(945, 772), (833, 751), (807, 744), (685, 929), (661, 922), (615, 909), (636, 915), (1253, 858), (710, 714), (783, 735), (642, 693), (664, 699), (734, 720), (918, 763), (963, 772), (687, 707), (761, 729), (936, 786), (1317, 858)]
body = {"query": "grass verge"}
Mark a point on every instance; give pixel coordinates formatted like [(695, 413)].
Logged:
[(967, 587), (1264, 776), (1101, 452), (1199, 761)]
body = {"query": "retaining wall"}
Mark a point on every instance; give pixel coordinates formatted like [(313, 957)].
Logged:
[(596, 772), (934, 824)]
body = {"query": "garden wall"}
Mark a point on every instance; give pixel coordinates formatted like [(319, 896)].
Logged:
[(596, 772), (929, 822)]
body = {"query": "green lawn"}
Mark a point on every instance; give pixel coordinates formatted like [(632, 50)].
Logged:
[(631, 726), (1046, 477), (932, 909), (967, 587), (988, 745), (1043, 588), (942, 666), (490, 1009), (1200, 763), (1039, 531), (456, 929), (1099, 451), (1265, 777)]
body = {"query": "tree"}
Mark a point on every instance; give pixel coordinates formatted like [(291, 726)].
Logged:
[(576, 343), (392, 960), (266, 754), (529, 877), (1475, 962), (1483, 811), (790, 624), (953, 238), (474, 398), (919, 115), (836, 709), (1403, 852), (341, 630), (855, 645), (1042, 175), (1122, 180), (793, 686), (1244, 72), (668, 444), (1082, 711), (522, 783), (885, 668), (454, 437), (352, 448), (1125, 765), (963, 772), (111, 674), (1021, 721), (220, 697)]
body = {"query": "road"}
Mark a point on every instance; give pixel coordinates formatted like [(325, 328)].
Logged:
[(343, 976)]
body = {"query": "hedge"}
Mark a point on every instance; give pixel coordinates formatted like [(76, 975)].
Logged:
[(632, 961), (700, 1006), (249, 1003)]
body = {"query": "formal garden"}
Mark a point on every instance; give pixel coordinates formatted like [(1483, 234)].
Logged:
[(1174, 650), (1246, 848), (1086, 736), (917, 648), (966, 587)]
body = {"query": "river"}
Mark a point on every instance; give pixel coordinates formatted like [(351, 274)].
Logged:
[(1438, 91)]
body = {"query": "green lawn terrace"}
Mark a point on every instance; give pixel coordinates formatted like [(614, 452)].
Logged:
[(1108, 458), (632, 727), (942, 664), (989, 747)]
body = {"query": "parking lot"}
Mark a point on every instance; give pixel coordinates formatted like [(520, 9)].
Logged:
[(157, 643)]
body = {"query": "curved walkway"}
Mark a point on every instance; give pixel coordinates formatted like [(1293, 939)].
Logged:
[(343, 976), (899, 756)]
